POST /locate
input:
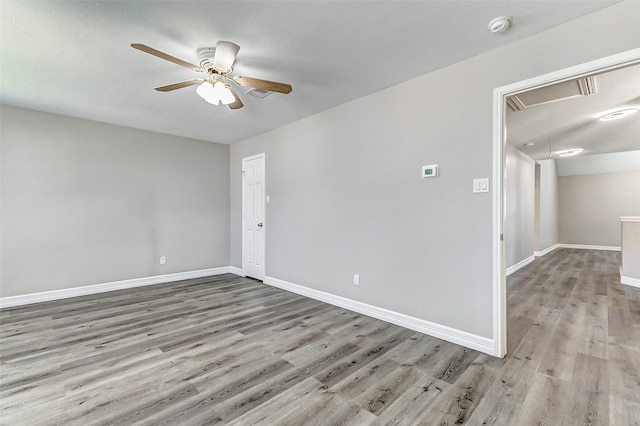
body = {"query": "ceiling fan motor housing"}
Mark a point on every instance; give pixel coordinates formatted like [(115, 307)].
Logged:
[(205, 56)]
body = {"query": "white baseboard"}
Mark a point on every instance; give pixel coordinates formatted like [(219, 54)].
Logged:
[(633, 282), (46, 296), (588, 247), (449, 334), (511, 269), (574, 246), (545, 251), (237, 271)]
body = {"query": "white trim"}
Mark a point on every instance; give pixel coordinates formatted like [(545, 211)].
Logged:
[(263, 269), (546, 251), (629, 218), (252, 157), (449, 334), (237, 271), (574, 246), (499, 195), (633, 282), (511, 269), (500, 95), (588, 247), (46, 296)]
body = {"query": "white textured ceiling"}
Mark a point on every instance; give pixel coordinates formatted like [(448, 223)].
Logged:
[(574, 123), (74, 57)]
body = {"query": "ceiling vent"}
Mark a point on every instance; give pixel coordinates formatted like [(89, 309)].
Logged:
[(259, 93), (585, 86)]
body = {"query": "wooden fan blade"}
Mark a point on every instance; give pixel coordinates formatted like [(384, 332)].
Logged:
[(162, 55), (271, 86), (174, 86), (238, 103), (225, 56)]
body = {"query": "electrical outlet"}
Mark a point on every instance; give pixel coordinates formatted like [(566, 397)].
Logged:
[(163, 260), (356, 279)]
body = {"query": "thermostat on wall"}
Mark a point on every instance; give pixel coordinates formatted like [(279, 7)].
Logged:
[(430, 171)]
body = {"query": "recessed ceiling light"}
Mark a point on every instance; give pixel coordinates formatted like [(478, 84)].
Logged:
[(569, 152), (500, 24), (619, 113), (529, 144)]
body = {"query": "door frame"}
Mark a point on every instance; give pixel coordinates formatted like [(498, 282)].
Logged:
[(264, 209), (500, 94)]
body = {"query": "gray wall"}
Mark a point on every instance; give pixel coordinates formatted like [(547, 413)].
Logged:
[(519, 206), (548, 205), (616, 162), (86, 203), (346, 193), (591, 205), (630, 255)]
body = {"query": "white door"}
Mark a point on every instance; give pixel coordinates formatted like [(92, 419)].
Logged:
[(253, 223)]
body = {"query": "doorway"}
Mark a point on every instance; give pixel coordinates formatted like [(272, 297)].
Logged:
[(253, 216), (500, 95)]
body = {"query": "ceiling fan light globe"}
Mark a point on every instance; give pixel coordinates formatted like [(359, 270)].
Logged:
[(222, 93), (228, 97), (215, 93), (205, 91)]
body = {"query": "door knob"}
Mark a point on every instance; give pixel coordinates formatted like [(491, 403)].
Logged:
[(260, 224)]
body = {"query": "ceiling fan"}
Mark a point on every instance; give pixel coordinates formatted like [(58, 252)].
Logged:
[(217, 64)]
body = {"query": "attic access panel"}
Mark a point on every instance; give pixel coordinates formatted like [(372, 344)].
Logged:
[(585, 86)]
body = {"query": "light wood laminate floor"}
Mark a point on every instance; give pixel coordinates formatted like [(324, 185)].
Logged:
[(231, 350)]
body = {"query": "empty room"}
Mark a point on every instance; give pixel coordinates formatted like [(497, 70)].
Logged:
[(319, 212)]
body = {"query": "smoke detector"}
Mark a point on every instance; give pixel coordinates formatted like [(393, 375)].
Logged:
[(500, 24)]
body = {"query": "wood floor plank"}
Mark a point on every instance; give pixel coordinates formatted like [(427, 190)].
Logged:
[(323, 408), (284, 405), (623, 411), (231, 350), (416, 404), (595, 341), (589, 391), (369, 350), (376, 385), (624, 372), (533, 346), (423, 352), (545, 403), (560, 357), (503, 400), (464, 397)]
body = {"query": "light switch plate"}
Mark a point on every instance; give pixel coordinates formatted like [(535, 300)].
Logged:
[(481, 185)]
